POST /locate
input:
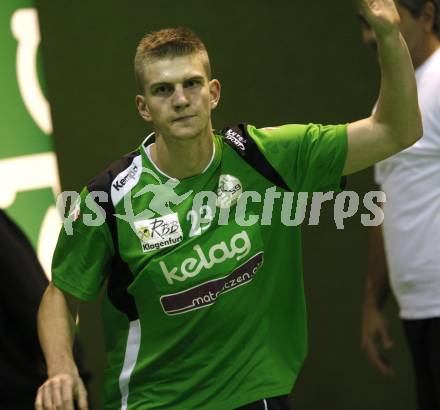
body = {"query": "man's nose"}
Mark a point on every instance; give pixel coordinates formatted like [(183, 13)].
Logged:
[(180, 100)]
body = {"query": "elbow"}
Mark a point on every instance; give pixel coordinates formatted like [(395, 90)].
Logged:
[(413, 133)]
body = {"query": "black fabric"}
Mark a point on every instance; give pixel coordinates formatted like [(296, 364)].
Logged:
[(118, 283), (423, 338), (273, 403), (23, 281), (23, 284), (239, 139), (120, 276), (103, 183)]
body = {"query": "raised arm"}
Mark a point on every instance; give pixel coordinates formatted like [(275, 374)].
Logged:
[(56, 322), (396, 123)]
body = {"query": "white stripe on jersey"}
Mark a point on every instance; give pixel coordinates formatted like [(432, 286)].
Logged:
[(131, 354)]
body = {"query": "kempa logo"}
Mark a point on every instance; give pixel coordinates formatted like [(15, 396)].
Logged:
[(131, 174), (236, 139), (239, 247)]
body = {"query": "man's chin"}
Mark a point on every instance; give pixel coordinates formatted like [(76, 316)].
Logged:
[(185, 132)]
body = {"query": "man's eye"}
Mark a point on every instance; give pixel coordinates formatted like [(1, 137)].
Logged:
[(191, 83), (163, 89)]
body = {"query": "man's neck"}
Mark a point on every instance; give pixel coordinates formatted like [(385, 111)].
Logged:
[(183, 158), (428, 48)]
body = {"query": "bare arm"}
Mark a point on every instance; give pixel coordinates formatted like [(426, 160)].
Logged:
[(396, 124), (377, 289), (56, 324)]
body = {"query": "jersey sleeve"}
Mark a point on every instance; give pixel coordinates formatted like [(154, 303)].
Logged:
[(308, 157), (84, 250)]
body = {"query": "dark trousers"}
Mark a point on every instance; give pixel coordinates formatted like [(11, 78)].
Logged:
[(424, 342), (273, 403)]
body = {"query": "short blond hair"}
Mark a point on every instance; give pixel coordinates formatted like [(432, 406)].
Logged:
[(165, 43)]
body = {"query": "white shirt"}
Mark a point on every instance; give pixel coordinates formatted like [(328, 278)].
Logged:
[(411, 181)]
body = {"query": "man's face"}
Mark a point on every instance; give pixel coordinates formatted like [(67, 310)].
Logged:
[(178, 97), (412, 29)]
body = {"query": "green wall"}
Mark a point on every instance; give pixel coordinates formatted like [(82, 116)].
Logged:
[(26, 140), (278, 62)]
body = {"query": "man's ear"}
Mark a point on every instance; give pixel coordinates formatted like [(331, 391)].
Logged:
[(214, 92), (142, 108), (428, 15)]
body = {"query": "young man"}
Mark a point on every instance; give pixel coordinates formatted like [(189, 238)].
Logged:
[(205, 310), (411, 228)]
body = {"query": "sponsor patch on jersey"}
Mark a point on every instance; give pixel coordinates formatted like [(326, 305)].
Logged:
[(236, 139), (229, 190), (159, 233), (238, 247), (206, 294), (126, 180)]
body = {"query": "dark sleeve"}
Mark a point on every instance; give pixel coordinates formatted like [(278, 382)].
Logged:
[(23, 285), (23, 279)]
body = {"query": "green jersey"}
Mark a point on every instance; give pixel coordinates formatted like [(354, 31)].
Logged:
[(204, 307)]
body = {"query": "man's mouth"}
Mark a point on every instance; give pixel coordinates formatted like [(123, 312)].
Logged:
[(183, 118)]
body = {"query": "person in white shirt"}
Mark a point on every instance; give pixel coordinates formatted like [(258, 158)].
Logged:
[(404, 253)]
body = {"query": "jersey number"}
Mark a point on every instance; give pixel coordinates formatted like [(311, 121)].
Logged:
[(200, 220)]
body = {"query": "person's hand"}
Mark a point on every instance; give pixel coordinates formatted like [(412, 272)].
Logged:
[(381, 15), (375, 337), (60, 391)]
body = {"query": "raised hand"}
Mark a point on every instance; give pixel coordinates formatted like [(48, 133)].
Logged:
[(381, 15)]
